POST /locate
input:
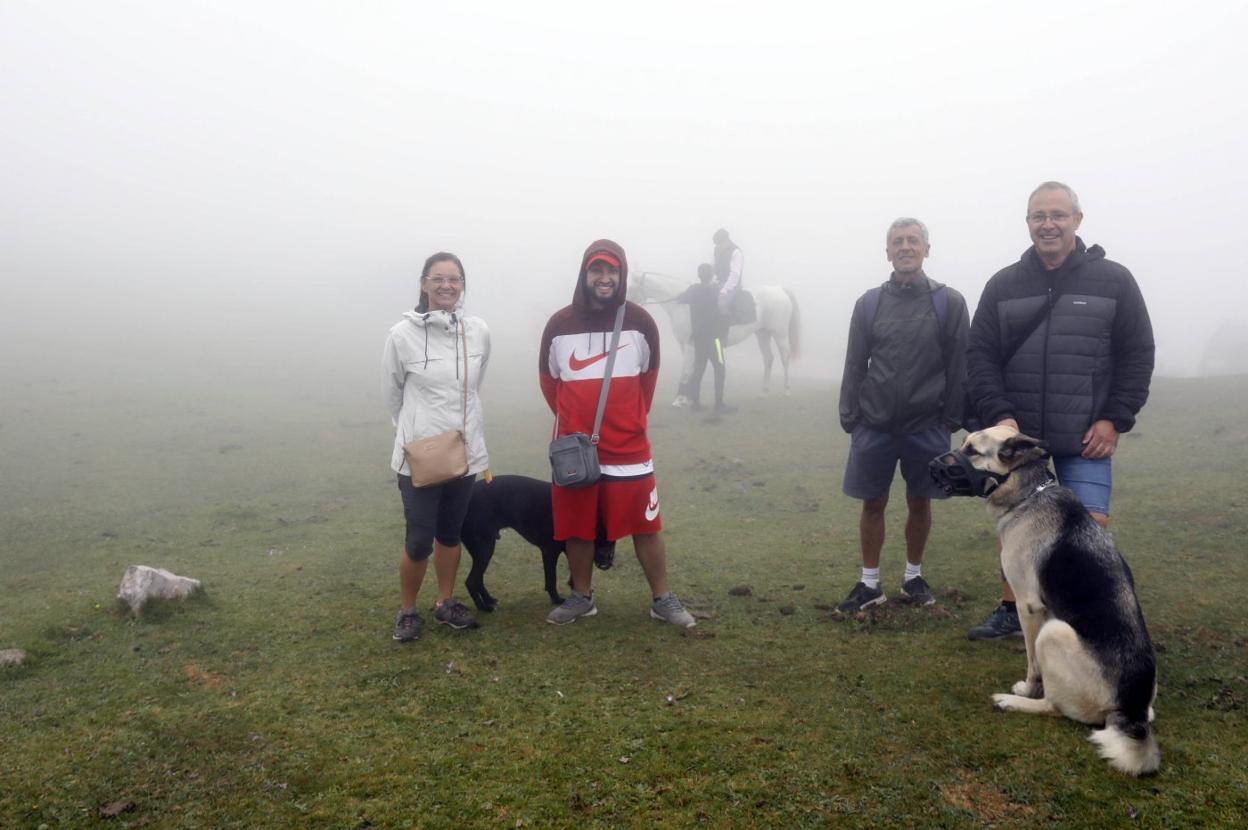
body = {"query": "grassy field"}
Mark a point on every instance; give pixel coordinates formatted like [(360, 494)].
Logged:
[(279, 699)]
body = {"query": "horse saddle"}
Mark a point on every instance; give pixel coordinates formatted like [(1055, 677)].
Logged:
[(742, 310)]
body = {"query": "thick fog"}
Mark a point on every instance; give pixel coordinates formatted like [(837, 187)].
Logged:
[(248, 189)]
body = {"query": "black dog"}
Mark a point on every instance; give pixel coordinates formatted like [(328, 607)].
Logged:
[(522, 504)]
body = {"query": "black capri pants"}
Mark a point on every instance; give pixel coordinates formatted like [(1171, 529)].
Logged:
[(435, 512)]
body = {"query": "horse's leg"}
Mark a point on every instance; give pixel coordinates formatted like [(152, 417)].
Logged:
[(764, 346), (782, 346)]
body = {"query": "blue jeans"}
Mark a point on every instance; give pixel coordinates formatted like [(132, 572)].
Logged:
[(1092, 479)]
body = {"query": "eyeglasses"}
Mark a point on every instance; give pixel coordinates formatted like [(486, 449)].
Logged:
[(1057, 217), (444, 280)]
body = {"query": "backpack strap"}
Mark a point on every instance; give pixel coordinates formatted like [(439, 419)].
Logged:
[(870, 307), (940, 301)]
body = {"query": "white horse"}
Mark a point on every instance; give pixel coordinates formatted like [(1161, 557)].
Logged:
[(776, 318)]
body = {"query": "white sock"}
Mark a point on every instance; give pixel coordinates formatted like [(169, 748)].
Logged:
[(871, 577), (912, 571)]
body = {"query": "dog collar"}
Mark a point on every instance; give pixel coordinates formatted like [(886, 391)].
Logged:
[(1041, 487)]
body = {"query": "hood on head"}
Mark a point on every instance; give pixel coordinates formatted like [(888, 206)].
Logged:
[(580, 296)]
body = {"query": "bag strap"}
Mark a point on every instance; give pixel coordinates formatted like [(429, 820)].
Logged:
[(1032, 325), (463, 336), (606, 381)]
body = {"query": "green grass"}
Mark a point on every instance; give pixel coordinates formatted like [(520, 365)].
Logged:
[(278, 698)]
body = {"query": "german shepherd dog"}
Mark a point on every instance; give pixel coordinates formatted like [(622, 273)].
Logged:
[(522, 504), (1089, 656)]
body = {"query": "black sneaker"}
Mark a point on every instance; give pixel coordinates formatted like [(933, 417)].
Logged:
[(916, 592), (455, 614), (604, 555), (862, 598), (1002, 622), (724, 409), (407, 626)]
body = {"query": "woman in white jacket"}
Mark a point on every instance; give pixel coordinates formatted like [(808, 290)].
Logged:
[(423, 384)]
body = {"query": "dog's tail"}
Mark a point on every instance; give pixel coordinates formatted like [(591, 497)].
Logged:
[(1128, 744)]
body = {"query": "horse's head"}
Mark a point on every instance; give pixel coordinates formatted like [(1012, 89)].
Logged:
[(653, 287)]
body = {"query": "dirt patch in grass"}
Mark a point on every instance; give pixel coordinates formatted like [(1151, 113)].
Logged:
[(983, 801), (891, 615), (203, 678)]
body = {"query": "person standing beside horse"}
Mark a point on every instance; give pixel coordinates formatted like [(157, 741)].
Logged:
[(432, 367), (708, 331), (901, 399), (572, 365)]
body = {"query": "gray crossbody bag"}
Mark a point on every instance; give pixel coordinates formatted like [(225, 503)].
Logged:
[(574, 457)]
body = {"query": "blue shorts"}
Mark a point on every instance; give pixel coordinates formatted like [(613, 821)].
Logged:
[(873, 459), (1092, 479)]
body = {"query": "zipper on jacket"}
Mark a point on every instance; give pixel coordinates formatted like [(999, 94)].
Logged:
[(455, 337), (1044, 366)]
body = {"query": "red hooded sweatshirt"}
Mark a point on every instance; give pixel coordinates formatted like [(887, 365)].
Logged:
[(572, 364)]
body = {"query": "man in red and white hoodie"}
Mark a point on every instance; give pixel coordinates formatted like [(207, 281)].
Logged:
[(571, 366)]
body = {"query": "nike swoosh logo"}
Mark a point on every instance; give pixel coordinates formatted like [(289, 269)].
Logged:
[(577, 364), (652, 509)]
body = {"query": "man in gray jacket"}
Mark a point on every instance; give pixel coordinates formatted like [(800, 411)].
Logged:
[(901, 398)]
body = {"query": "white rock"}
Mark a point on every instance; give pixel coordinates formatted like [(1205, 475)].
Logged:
[(142, 583), (11, 657)]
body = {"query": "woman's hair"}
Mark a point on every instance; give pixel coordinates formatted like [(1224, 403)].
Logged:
[(440, 256)]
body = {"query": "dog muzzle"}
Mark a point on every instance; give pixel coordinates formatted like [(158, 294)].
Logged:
[(954, 473)]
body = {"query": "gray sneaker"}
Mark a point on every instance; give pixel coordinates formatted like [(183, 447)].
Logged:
[(407, 626), (916, 592), (861, 598), (455, 614), (575, 606), (669, 609)]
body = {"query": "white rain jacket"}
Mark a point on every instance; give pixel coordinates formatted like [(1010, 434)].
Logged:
[(422, 369)]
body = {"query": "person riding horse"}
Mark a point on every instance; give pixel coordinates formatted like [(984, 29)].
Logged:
[(778, 321), (735, 304)]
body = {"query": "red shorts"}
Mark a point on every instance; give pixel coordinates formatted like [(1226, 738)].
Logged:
[(625, 506)]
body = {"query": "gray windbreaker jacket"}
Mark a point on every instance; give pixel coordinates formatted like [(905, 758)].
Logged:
[(422, 381), (904, 372)]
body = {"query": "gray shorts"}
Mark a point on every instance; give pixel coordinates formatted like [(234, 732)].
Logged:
[(873, 458)]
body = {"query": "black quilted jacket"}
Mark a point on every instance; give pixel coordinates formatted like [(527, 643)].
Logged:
[(1091, 357)]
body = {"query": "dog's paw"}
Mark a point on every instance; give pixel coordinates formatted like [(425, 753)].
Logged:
[(1001, 702), (1025, 689)]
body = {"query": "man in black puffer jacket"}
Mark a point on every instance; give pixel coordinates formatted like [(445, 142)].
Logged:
[(1061, 348)]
